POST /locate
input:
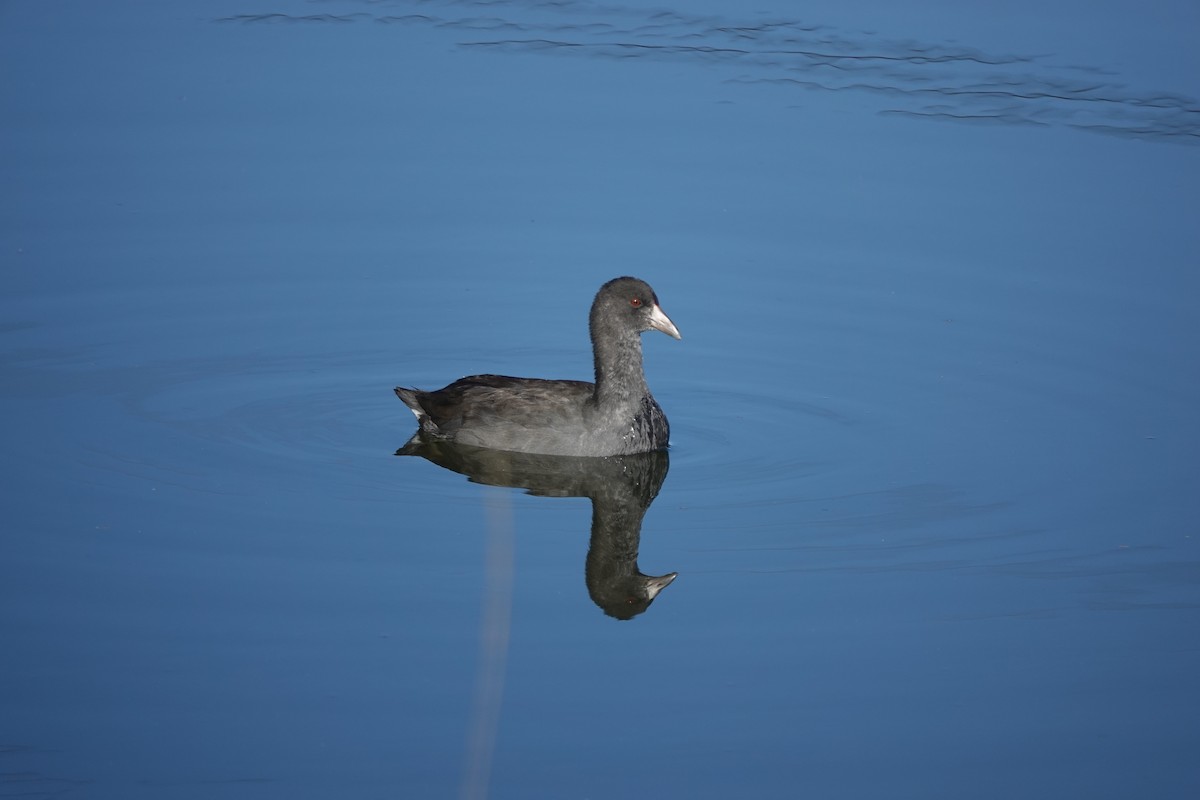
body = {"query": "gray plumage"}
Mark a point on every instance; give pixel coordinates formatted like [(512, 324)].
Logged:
[(616, 415)]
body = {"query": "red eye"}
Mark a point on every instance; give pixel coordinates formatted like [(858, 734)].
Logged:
[(635, 301)]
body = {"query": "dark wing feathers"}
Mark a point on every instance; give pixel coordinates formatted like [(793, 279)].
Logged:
[(481, 400)]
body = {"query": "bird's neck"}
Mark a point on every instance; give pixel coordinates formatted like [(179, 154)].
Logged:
[(618, 358)]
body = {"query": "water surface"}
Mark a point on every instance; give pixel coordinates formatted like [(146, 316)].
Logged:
[(931, 490)]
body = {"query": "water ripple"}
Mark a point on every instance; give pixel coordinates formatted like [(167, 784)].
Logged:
[(918, 79)]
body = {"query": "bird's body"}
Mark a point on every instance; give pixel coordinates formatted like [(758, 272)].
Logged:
[(616, 415)]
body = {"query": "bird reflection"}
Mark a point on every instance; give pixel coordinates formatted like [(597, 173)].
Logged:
[(621, 489)]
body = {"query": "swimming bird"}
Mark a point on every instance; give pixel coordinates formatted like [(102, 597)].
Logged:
[(616, 415)]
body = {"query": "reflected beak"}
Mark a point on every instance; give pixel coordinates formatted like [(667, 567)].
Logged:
[(656, 585), (661, 322)]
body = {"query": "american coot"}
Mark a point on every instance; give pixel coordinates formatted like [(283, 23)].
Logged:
[(614, 416)]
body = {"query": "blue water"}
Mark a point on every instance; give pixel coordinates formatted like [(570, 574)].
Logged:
[(931, 495)]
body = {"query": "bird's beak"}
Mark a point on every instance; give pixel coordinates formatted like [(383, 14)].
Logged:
[(656, 585), (661, 322)]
